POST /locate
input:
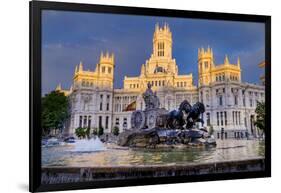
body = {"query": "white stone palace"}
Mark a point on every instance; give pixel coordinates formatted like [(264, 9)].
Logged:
[(230, 103)]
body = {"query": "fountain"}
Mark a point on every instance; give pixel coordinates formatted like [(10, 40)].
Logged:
[(88, 145), (154, 126)]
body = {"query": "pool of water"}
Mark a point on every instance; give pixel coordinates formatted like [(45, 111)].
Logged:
[(226, 150)]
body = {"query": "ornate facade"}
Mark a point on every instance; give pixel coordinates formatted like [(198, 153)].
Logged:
[(230, 103)]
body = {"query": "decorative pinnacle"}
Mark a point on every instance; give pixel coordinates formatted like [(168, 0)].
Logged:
[(165, 27), (107, 57), (157, 26), (80, 66), (226, 61), (208, 52), (58, 87), (238, 61)]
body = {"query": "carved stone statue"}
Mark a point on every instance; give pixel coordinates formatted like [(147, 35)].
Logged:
[(175, 118), (195, 115), (150, 98), (155, 126), (186, 115), (147, 119)]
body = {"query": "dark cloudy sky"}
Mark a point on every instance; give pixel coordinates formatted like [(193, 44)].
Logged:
[(71, 37)]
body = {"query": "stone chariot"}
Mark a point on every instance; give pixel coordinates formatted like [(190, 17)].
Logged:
[(155, 126)]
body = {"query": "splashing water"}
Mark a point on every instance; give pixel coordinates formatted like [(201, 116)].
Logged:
[(89, 145)]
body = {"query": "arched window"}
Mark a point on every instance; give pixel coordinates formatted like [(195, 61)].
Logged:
[(80, 121), (103, 69), (161, 49), (206, 65), (235, 100), (220, 101), (89, 121)]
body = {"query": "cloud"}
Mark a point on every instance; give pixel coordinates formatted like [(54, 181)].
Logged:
[(68, 37), (99, 39)]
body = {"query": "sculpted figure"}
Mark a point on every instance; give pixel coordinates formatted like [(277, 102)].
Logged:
[(195, 115), (186, 115), (176, 117), (150, 98)]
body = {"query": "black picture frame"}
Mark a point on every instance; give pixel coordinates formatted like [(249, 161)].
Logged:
[(36, 8)]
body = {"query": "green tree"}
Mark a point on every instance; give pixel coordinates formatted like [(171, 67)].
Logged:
[(95, 131), (100, 131), (260, 111), (88, 132), (80, 132), (54, 111), (115, 131), (83, 132)]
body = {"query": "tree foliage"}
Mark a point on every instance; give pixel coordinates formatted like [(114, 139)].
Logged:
[(88, 132), (80, 132), (115, 131), (54, 111), (260, 111), (95, 131), (100, 131), (83, 132)]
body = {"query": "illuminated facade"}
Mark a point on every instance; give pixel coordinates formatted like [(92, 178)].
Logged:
[(230, 104)]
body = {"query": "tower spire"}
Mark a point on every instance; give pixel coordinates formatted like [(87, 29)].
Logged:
[(157, 26), (162, 41), (80, 69), (101, 55), (58, 88), (112, 57), (226, 61), (238, 61), (142, 69)]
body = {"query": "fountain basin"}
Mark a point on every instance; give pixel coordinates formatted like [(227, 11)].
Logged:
[(88, 145)]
